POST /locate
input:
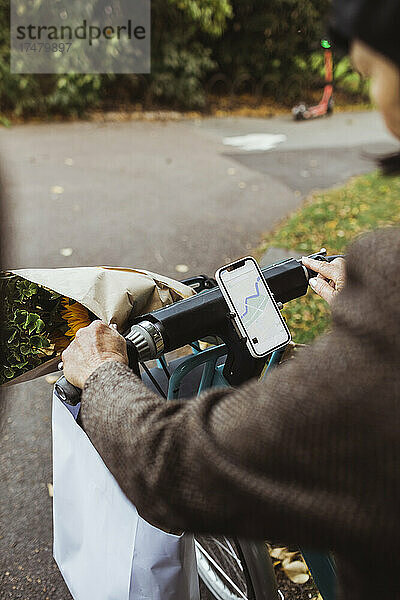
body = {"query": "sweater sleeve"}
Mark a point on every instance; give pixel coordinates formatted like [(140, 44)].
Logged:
[(299, 456)]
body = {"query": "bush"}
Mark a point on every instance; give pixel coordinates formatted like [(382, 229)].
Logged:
[(268, 46), (181, 53), (180, 62), (42, 94), (266, 41)]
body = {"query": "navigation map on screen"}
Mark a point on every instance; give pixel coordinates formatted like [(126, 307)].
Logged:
[(258, 313)]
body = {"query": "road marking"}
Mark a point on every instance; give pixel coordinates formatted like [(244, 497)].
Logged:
[(255, 141)]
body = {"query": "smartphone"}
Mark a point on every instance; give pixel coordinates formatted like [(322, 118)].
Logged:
[(254, 310)]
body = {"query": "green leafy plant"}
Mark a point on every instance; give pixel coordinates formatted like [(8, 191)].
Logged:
[(32, 320)]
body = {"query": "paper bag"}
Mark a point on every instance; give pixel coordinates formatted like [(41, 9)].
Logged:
[(103, 548), (113, 294)]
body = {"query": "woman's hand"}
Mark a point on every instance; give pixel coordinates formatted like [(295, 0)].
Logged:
[(92, 346), (330, 279)]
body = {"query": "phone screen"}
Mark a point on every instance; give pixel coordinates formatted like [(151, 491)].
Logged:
[(244, 286)]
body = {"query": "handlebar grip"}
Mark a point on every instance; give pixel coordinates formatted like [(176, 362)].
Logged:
[(327, 259), (72, 395), (67, 392), (133, 357)]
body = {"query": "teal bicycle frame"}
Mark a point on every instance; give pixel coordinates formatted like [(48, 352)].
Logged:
[(321, 565)]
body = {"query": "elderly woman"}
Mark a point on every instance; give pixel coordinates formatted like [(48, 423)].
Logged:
[(311, 455)]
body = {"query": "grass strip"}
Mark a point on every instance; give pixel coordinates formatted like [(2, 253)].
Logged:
[(332, 219)]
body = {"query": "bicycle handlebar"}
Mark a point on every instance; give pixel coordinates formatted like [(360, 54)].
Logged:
[(207, 314)]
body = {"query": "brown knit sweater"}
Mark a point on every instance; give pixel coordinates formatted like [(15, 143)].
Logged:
[(310, 455)]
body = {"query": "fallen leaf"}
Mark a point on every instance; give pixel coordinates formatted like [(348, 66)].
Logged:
[(182, 268), (296, 571), (277, 552), (57, 189), (66, 251), (50, 489), (300, 578), (289, 556), (282, 554), (288, 560)]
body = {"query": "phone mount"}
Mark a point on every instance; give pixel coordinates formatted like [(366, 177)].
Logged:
[(239, 366)]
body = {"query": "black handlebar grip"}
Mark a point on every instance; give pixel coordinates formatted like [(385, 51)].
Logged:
[(133, 358), (67, 392), (322, 258), (72, 395)]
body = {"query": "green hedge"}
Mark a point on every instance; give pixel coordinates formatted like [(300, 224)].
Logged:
[(255, 44)]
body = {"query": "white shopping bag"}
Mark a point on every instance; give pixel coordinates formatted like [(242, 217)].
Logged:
[(103, 548)]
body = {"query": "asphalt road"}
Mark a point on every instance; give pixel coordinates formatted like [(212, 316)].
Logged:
[(148, 195)]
